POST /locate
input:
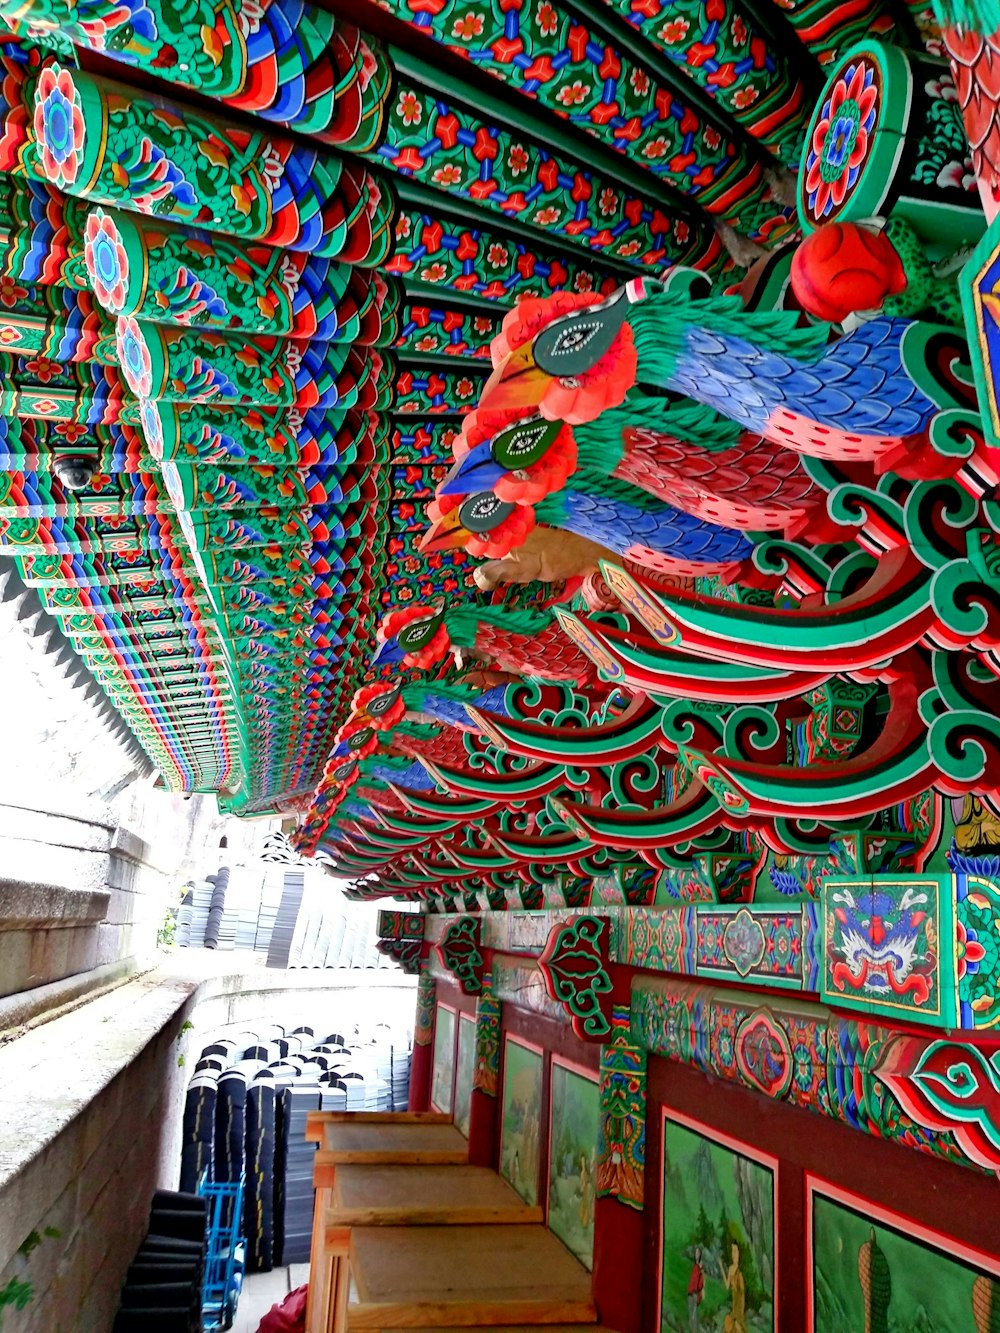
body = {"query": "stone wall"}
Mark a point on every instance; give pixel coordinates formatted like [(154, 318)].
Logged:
[(87, 885), (59, 915), (91, 1117)]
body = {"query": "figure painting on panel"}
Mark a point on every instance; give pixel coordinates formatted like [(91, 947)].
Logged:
[(735, 1320), (575, 1113), (522, 1099), (444, 1060), (718, 1236)]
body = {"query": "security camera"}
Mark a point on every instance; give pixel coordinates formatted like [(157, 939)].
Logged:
[(75, 471)]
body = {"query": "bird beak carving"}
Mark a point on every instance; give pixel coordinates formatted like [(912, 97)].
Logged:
[(477, 471), (446, 533), (517, 386), (387, 651)]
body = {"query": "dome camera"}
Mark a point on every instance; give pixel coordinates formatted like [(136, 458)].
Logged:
[(75, 471)]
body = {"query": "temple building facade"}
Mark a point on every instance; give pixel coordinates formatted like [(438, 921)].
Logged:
[(489, 436)]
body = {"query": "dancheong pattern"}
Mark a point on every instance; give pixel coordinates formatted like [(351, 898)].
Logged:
[(419, 437)]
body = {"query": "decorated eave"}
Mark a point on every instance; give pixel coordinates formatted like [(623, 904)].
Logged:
[(252, 289)]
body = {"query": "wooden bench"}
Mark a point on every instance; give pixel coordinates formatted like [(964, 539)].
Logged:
[(316, 1120), (429, 1144), (354, 1139), (464, 1277), (424, 1196)]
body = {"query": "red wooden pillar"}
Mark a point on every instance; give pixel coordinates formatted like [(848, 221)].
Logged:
[(422, 1063), (421, 1069), (483, 1129), (484, 1109), (618, 1255), (619, 1226)]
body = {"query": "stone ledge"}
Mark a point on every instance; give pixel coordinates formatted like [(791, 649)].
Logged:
[(33, 864), (58, 803), (45, 1001), (55, 1072), (53, 830), (38, 906)]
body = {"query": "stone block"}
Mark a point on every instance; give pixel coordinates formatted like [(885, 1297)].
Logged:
[(15, 961), (121, 908), (30, 958), (53, 1255), (124, 874), (23, 906), (65, 1296), (60, 953), (35, 826), (111, 943), (100, 1304), (102, 1115), (27, 864), (53, 830), (31, 1194), (128, 844), (97, 1171)]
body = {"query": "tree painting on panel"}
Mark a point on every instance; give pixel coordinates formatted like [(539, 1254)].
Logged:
[(718, 1237), (520, 1134), (575, 1103), (869, 1277), (444, 1059), (465, 1068)]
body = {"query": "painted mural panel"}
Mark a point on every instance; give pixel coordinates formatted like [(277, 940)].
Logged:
[(718, 1251), (521, 1125), (869, 1272), (574, 1114), (442, 1084), (464, 1069)]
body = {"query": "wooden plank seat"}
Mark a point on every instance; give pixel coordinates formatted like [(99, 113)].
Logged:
[(423, 1196), (315, 1120), (356, 1139), (526, 1328), (429, 1144), (464, 1277)]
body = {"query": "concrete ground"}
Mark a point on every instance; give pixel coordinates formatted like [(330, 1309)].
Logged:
[(262, 1290)]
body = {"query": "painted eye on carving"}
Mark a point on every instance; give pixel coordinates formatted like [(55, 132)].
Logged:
[(575, 339), (382, 704), (524, 444), (417, 634), (482, 512)]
